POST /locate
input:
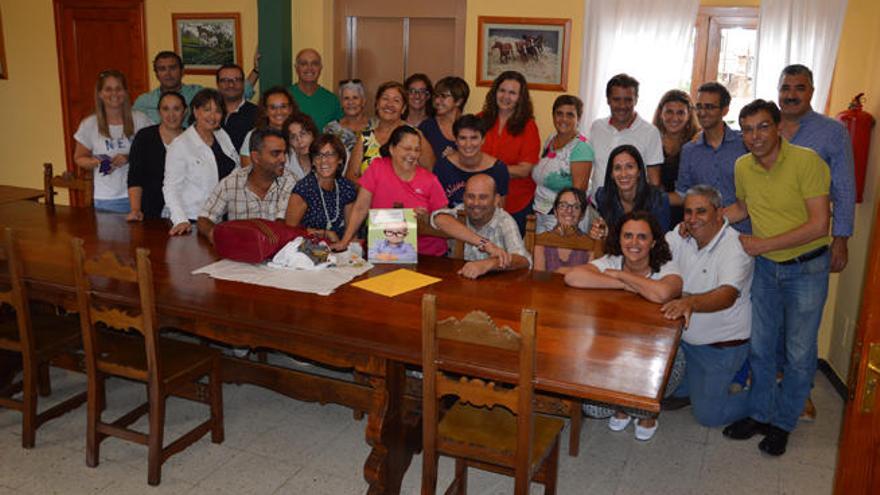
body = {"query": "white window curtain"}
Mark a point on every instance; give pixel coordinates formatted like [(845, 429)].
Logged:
[(647, 39), (799, 32)]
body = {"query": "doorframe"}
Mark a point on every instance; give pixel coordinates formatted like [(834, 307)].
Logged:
[(58, 10)]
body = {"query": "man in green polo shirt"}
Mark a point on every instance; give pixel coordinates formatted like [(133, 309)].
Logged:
[(313, 100), (784, 189)]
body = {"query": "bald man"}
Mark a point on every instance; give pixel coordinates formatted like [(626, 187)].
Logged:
[(315, 101), (491, 237)]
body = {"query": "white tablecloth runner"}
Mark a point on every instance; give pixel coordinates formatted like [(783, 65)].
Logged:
[(321, 282)]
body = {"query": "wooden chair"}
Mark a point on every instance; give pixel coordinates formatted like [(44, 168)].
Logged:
[(39, 337), (490, 427), (166, 366), (551, 404), (552, 239), (81, 185), (425, 228)]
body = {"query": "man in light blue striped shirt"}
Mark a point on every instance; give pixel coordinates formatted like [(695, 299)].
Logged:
[(803, 126)]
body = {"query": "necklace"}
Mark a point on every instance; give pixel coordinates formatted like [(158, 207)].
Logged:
[(324, 205)]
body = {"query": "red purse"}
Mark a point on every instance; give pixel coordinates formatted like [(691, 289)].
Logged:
[(253, 241)]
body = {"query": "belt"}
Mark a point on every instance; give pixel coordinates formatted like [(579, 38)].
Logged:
[(805, 257), (729, 343)]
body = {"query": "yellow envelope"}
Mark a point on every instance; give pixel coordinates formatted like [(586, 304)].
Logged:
[(397, 282)]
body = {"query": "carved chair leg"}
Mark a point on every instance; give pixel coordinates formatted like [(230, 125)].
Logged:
[(44, 382), (217, 430)]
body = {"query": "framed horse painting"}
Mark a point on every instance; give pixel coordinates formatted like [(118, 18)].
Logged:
[(536, 47), (207, 41)]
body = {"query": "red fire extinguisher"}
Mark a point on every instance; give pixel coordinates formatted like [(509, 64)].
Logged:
[(859, 124)]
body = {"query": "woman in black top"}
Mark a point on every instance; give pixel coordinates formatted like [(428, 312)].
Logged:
[(677, 121), (147, 159)]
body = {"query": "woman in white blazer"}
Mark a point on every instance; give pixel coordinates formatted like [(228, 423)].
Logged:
[(197, 160)]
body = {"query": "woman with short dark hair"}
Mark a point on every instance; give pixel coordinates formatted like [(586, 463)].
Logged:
[(450, 96)]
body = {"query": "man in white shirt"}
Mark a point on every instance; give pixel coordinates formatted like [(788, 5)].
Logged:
[(716, 307), (491, 237), (624, 126)]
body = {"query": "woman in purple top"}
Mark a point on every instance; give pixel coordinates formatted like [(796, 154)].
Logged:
[(569, 208)]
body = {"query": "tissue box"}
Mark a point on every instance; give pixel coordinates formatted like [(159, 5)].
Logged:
[(391, 236)]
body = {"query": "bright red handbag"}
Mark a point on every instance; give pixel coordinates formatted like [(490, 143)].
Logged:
[(253, 241)]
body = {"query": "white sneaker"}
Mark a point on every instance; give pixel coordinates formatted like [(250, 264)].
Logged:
[(618, 424), (646, 433)]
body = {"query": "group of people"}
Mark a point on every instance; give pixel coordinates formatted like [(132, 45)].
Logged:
[(728, 230)]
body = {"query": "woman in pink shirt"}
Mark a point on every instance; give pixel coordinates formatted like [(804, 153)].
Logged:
[(512, 137), (395, 180)]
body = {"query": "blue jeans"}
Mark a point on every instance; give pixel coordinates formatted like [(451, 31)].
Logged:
[(118, 205), (707, 379), (786, 299)]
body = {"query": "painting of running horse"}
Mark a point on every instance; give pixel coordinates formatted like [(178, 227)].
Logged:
[(538, 48)]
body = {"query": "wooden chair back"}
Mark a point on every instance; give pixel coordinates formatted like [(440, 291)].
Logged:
[(109, 268), (425, 228), (477, 328), (553, 239), (15, 294), (81, 187)]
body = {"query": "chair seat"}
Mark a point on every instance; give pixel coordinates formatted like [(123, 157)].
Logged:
[(51, 332), (493, 430), (124, 355)]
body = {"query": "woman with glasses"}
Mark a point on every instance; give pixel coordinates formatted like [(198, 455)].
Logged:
[(352, 94), (275, 106), (103, 140), (396, 180), (569, 209), (301, 132), (322, 201), (677, 121), (567, 160), (450, 96), (418, 98)]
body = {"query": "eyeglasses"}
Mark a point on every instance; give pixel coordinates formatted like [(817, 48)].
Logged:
[(395, 233), (707, 107), (568, 206), (352, 81), (326, 155), (761, 128), (419, 91), (230, 80)]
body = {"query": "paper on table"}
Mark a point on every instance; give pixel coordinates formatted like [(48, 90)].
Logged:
[(322, 282), (397, 282)]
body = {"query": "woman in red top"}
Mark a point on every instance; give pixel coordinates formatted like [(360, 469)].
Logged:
[(512, 137)]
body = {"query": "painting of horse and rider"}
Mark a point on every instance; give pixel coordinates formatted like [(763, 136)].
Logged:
[(538, 48)]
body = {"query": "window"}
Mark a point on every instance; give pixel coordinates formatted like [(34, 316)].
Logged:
[(725, 45)]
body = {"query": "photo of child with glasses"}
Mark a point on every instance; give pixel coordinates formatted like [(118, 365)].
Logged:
[(394, 248)]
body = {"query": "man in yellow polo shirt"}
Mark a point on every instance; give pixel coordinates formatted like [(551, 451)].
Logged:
[(784, 189)]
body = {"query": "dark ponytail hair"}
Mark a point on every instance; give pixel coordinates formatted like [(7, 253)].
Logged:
[(396, 137)]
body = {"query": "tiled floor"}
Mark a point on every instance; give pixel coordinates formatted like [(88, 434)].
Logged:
[(277, 445)]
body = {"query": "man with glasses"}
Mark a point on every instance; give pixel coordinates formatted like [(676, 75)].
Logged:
[(784, 189), (261, 190), (491, 236), (168, 67), (313, 99), (710, 158), (240, 113)]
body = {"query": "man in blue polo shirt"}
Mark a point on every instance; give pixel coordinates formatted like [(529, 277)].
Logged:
[(803, 126), (710, 158), (313, 99)]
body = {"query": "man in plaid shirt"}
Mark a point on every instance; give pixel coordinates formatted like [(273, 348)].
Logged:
[(258, 191)]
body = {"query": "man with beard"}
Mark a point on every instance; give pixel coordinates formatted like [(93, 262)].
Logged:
[(491, 237)]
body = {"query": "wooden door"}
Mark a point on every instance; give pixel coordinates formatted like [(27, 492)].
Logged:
[(858, 457), (92, 36)]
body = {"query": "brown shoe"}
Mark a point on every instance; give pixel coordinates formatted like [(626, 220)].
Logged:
[(809, 413)]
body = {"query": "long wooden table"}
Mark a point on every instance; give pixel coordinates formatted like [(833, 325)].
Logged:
[(608, 346), (9, 194)]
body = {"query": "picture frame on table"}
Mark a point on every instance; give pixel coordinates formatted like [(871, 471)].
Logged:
[(206, 41), (536, 47)]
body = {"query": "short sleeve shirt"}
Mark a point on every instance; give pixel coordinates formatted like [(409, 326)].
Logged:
[(113, 185), (233, 198), (776, 198), (501, 230), (553, 172), (615, 262), (322, 107), (453, 178), (512, 150), (325, 207), (605, 137), (390, 191)]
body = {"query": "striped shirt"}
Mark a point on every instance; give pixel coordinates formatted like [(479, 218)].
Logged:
[(233, 198)]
